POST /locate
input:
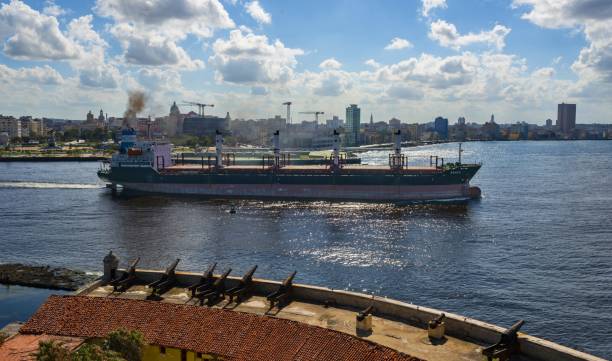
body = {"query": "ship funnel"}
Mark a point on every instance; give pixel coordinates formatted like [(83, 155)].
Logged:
[(397, 149), (128, 139), (336, 149), (219, 148)]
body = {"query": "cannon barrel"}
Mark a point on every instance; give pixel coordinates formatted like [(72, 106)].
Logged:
[(438, 320), (514, 328)]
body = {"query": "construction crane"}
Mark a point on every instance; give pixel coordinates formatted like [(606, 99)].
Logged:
[(316, 115), (200, 106), (288, 104)]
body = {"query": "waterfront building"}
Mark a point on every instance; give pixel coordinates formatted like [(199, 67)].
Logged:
[(148, 128), (548, 122), (353, 124), (410, 131), (491, 130), (566, 117), (204, 126), (4, 138), (334, 123), (90, 117), (460, 130), (172, 124), (101, 117), (32, 127), (92, 123), (11, 126), (395, 123), (441, 127)]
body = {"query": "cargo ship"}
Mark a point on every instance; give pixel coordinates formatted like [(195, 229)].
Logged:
[(148, 166)]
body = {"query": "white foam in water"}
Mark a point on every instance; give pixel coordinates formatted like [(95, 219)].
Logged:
[(48, 185)]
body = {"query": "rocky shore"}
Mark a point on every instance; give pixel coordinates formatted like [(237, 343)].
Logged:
[(56, 278)]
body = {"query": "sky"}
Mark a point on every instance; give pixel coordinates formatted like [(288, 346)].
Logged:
[(413, 60)]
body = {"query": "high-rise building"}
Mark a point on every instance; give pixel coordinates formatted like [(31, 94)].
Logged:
[(461, 121), (353, 124), (441, 127), (566, 117), (549, 122), (11, 126)]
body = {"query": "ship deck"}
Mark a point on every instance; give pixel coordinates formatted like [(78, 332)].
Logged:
[(318, 168), (400, 336)]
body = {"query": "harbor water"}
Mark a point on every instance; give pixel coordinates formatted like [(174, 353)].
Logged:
[(537, 246)]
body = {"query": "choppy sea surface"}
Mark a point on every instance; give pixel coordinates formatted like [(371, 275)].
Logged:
[(537, 246)]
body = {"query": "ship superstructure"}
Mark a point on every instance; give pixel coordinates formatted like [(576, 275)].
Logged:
[(147, 166)]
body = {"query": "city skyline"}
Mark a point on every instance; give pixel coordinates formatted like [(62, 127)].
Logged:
[(411, 61)]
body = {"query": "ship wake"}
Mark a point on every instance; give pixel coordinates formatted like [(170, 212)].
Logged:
[(47, 185)]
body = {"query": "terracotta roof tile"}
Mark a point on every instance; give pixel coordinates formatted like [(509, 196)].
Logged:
[(234, 335)]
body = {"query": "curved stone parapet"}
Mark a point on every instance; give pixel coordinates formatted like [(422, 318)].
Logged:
[(456, 325)]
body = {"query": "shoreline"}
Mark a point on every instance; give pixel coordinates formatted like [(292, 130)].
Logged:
[(52, 159), (47, 277)]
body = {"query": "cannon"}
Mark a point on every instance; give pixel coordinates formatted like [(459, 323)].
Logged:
[(126, 279), (506, 346), (166, 281), (216, 291), (283, 293), (244, 286), (207, 279), (436, 328)]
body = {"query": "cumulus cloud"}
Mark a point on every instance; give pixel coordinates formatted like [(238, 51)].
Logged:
[(173, 17), (330, 63), (33, 35), (594, 17), (566, 13), (52, 9), (149, 31), (397, 44), (257, 12), (446, 34), (329, 83), (428, 5), (404, 92), (373, 63), (81, 29), (44, 75), (100, 76), (253, 59), (259, 90)]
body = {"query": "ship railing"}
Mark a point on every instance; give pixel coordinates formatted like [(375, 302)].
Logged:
[(438, 161), (329, 161), (267, 160), (397, 161), (160, 162), (229, 158), (270, 160)]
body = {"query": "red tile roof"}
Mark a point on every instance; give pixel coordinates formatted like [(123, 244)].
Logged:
[(23, 347), (230, 334)]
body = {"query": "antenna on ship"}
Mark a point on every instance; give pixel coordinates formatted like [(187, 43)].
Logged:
[(460, 151)]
